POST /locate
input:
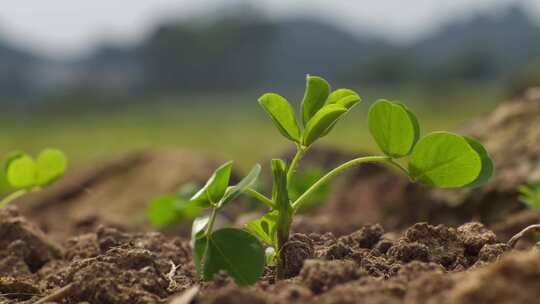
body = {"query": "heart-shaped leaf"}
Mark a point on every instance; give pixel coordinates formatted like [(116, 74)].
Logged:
[(215, 187), (265, 228), (445, 160), (488, 167), (317, 90), (234, 191), (282, 114), (51, 164), (323, 120), (21, 172), (394, 128), (345, 97), (235, 251)]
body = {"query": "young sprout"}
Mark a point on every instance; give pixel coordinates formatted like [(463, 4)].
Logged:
[(228, 249), (439, 159), (22, 174), (530, 195), (173, 208)]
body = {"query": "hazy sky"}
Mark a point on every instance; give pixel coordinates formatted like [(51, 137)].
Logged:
[(70, 27)]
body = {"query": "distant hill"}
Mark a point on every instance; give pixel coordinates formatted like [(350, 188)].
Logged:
[(248, 51), (507, 41)]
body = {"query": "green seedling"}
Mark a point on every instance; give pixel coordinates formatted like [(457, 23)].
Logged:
[(22, 174), (228, 249), (173, 208), (439, 159), (530, 195)]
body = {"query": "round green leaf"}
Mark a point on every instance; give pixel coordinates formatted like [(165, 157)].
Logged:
[(445, 160), (21, 172), (317, 90), (51, 164), (319, 124), (215, 187), (394, 128), (344, 97), (282, 114), (488, 167), (235, 251)]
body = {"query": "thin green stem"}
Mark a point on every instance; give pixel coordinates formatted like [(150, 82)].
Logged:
[(399, 166), (260, 197), (11, 197), (343, 167), (211, 221), (300, 151)]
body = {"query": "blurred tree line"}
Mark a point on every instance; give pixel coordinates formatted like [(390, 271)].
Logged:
[(245, 50)]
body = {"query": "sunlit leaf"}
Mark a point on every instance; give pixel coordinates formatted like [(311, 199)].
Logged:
[(394, 128), (21, 172), (317, 91), (215, 187), (282, 114), (445, 160), (51, 164), (321, 122), (345, 97)]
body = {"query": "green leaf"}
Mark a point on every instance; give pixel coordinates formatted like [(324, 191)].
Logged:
[(445, 160), (530, 194), (21, 172), (215, 187), (234, 191), (317, 90), (51, 165), (487, 163), (282, 114), (5, 187), (394, 128), (319, 124), (235, 251), (169, 209), (264, 228), (345, 97)]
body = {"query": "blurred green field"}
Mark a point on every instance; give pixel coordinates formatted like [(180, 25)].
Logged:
[(230, 126)]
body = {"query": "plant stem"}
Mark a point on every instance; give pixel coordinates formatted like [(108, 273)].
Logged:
[(211, 221), (300, 151), (260, 197), (357, 161), (11, 197)]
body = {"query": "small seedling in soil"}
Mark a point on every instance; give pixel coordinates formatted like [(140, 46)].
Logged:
[(22, 174), (173, 208), (530, 196), (439, 159)]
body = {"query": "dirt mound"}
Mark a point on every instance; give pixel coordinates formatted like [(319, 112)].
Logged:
[(426, 264), (113, 193)]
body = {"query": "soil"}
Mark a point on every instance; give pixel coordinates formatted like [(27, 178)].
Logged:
[(423, 264)]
